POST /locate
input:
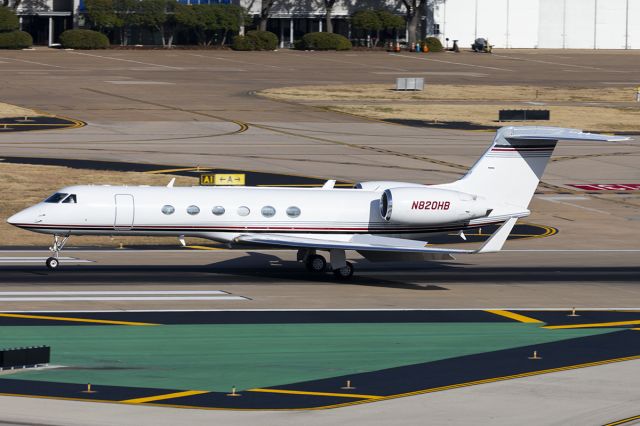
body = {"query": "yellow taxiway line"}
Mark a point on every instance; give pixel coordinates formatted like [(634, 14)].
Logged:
[(70, 319), (295, 392), (514, 316), (593, 325), (163, 397), (623, 421)]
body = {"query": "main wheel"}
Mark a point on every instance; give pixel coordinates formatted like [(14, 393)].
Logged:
[(345, 272), (316, 263), (52, 263)]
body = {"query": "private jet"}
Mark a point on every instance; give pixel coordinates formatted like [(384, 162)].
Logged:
[(381, 220)]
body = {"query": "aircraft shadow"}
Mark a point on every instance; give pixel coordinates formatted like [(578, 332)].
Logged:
[(268, 269)]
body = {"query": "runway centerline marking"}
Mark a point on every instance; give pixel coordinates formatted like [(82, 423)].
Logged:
[(593, 325), (514, 316), (71, 319), (163, 396), (296, 392)]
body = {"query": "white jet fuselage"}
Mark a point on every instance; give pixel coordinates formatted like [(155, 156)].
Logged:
[(189, 211)]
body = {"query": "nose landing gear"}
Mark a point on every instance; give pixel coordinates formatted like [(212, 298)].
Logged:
[(58, 243)]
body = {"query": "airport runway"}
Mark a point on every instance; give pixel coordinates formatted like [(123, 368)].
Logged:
[(273, 280)]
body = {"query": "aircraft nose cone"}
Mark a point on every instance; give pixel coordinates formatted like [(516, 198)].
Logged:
[(17, 218)]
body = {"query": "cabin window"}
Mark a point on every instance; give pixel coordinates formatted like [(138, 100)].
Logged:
[(71, 199), (218, 210), (168, 209), (243, 211), (293, 211), (193, 210), (56, 198), (268, 211)]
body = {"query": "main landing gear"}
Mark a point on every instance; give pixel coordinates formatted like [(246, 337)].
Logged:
[(317, 264), (58, 243)]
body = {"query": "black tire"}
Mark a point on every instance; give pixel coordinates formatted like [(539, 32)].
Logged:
[(52, 263), (344, 273), (316, 264)]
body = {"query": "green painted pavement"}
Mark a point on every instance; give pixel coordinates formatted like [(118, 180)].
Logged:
[(216, 357)]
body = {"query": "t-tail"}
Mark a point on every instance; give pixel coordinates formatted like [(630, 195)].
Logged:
[(509, 171)]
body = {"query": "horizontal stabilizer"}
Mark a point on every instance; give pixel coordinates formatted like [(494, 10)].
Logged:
[(555, 133)]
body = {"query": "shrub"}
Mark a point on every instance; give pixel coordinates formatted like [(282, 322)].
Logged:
[(264, 40), (83, 39), (15, 40), (256, 40), (8, 20), (434, 44), (324, 41)]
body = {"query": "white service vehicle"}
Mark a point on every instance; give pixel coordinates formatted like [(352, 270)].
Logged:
[(380, 220)]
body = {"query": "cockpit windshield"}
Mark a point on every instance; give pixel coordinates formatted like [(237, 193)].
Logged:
[(71, 199), (56, 198)]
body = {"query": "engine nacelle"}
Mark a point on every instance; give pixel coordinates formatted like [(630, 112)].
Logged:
[(430, 206), (381, 185)]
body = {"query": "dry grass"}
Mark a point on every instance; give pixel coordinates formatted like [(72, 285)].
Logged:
[(7, 110), (588, 118), (25, 185), (440, 92)]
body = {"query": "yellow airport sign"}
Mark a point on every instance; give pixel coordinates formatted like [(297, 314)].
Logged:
[(222, 179)]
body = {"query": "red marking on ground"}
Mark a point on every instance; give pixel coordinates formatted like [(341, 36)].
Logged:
[(607, 186)]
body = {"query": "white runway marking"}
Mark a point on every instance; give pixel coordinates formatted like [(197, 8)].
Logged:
[(117, 295), (109, 292), (118, 298), (26, 259), (450, 62), (126, 60), (32, 62), (136, 82)]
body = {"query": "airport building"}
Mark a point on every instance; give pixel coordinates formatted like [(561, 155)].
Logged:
[(544, 24), (555, 24)]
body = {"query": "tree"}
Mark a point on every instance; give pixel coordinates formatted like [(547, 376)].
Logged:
[(160, 16), (265, 11), (101, 14), (126, 17), (389, 21), (8, 4), (230, 18), (8, 20), (414, 8), (328, 6), (367, 20)]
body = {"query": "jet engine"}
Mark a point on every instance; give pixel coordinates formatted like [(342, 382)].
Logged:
[(430, 206)]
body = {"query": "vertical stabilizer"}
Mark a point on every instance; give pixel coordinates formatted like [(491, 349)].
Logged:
[(510, 170)]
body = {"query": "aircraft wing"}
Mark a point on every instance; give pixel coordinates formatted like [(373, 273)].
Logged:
[(376, 243)]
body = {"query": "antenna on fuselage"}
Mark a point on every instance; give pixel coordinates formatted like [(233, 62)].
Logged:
[(171, 182)]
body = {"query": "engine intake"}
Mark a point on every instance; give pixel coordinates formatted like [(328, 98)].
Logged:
[(430, 206)]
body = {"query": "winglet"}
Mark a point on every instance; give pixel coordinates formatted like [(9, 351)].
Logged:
[(496, 241), (171, 182), (329, 184)]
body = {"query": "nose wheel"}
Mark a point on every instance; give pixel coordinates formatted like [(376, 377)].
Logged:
[(53, 262)]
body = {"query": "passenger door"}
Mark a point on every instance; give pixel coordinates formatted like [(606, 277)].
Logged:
[(125, 212)]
